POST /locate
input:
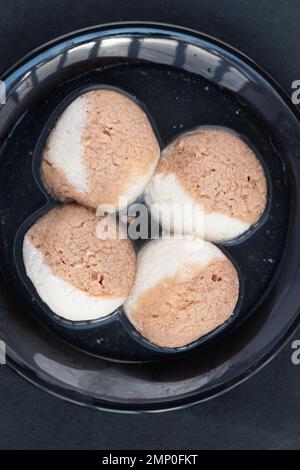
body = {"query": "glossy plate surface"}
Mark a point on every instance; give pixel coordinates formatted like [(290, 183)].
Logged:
[(185, 80)]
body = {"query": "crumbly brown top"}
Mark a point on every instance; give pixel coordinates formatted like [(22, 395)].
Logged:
[(177, 311), (119, 145), (218, 170), (67, 238)]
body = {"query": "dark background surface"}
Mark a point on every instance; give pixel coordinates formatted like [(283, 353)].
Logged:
[(264, 412)]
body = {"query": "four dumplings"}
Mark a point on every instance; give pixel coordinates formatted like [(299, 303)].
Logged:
[(103, 152)]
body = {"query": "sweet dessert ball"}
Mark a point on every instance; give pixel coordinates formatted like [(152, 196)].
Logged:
[(102, 148), (184, 288), (79, 276), (214, 172)]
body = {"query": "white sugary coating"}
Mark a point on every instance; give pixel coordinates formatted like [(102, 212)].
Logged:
[(179, 213), (172, 207), (63, 298), (220, 227), (163, 258), (65, 149)]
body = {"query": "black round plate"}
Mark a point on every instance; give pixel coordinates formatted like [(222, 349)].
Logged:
[(185, 80)]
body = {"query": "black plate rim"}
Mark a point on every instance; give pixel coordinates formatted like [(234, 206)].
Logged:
[(178, 404)]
